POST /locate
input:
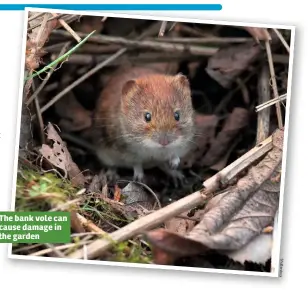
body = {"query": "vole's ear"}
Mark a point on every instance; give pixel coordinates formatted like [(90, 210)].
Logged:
[(182, 84), (181, 80), (129, 88)]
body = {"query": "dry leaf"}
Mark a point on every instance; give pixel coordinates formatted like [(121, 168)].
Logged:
[(59, 156), (251, 206), (180, 225), (234, 124), (87, 24), (136, 195), (75, 118), (228, 63), (235, 218), (37, 38), (206, 127), (258, 251), (99, 184)]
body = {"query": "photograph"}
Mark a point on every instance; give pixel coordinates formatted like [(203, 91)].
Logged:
[(165, 139)]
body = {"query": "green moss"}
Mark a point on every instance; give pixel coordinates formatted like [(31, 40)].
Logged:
[(130, 253), (40, 191)]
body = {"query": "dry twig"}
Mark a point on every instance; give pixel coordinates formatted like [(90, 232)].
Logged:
[(287, 47), (273, 82)]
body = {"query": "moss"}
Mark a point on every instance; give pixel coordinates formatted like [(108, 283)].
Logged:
[(36, 191), (40, 191)]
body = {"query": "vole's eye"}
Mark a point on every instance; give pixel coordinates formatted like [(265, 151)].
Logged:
[(147, 117), (177, 115)]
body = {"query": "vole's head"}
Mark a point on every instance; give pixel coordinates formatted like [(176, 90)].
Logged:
[(157, 111)]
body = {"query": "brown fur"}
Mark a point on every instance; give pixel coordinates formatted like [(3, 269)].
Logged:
[(131, 93)]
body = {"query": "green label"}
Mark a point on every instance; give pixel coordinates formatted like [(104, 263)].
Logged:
[(35, 227)]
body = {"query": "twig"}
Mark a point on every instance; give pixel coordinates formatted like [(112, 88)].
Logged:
[(47, 20), (26, 248), (89, 224), (273, 82), (271, 102), (287, 47), (37, 15), (97, 247), (190, 30), (42, 85), (62, 247), (67, 17), (86, 59), (264, 95), (162, 28), (68, 28), (55, 250), (42, 27), (157, 45), (206, 40)]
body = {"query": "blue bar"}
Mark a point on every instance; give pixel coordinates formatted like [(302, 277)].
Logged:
[(157, 7)]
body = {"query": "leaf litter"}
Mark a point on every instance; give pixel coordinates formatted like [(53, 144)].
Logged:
[(234, 221)]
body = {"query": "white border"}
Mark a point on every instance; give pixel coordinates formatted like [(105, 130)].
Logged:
[(277, 232)]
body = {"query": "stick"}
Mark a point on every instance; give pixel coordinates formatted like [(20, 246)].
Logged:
[(271, 102), (274, 83), (68, 28), (206, 40), (96, 248), (163, 46), (287, 47), (264, 95)]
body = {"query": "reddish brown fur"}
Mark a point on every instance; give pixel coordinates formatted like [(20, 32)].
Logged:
[(122, 105)]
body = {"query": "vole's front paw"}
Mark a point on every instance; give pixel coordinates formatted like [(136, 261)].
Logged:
[(178, 178), (138, 174), (174, 162)]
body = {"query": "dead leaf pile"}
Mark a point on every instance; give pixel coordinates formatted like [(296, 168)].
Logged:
[(229, 62), (236, 218), (59, 156)]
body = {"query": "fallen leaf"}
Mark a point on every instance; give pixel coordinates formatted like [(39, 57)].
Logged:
[(234, 124), (37, 38), (59, 156), (180, 225), (205, 134), (77, 118), (229, 62), (136, 195), (236, 217), (99, 184), (87, 24), (258, 250)]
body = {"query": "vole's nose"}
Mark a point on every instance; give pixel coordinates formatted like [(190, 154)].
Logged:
[(164, 139)]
